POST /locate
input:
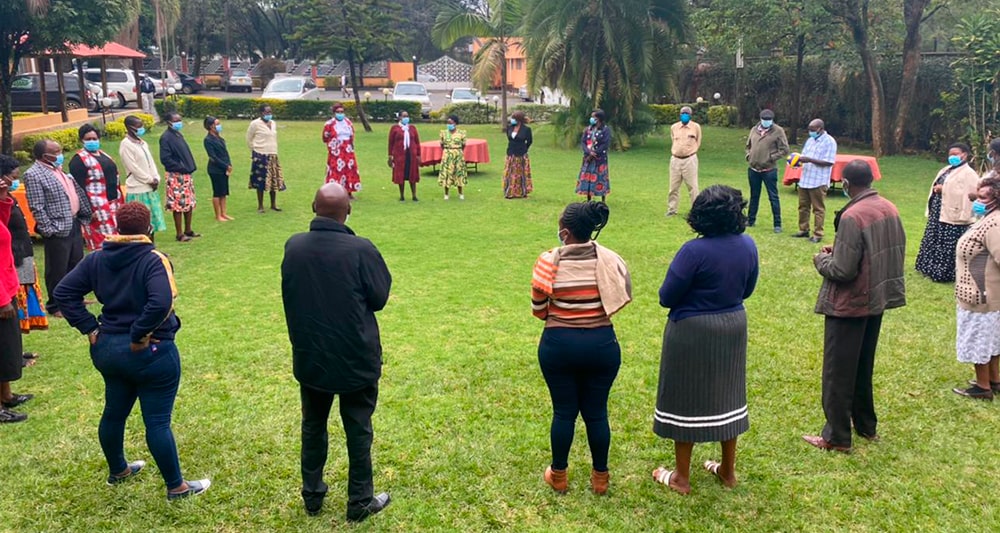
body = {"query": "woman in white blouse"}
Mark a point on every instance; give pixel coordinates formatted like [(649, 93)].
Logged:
[(141, 177)]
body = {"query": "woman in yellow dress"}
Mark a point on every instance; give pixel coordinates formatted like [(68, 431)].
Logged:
[(453, 170)]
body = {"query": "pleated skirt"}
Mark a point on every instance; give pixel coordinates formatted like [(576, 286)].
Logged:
[(702, 395)]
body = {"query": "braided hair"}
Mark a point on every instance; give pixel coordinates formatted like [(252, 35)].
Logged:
[(584, 219)]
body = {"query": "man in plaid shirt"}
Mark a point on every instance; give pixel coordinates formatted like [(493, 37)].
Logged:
[(818, 155)]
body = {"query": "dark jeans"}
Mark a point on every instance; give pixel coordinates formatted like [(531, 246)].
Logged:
[(848, 362), (356, 410), (152, 376), (61, 255), (579, 366), (770, 181)]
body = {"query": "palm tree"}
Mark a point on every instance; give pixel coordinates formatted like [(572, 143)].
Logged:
[(611, 54), (494, 22)]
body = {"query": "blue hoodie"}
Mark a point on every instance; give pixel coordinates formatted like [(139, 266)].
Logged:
[(134, 283)]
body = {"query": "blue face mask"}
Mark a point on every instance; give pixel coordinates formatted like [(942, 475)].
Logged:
[(513, 122), (813, 134), (451, 127), (954, 160), (846, 186), (685, 118), (979, 208), (339, 116), (218, 128), (593, 121), (59, 160), (560, 237), (92, 146), (405, 121), (177, 125), (140, 132), (267, 118), (14, 185), (766, 123)]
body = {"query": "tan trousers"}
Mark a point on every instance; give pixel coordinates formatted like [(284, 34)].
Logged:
[(686, 171), (147, 104), (814, 198)]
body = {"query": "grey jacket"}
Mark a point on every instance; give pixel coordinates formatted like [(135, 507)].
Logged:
[(764, 152), (49, 203)]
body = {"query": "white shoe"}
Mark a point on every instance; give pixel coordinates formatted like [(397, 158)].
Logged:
[(461, 197), (446, 197)]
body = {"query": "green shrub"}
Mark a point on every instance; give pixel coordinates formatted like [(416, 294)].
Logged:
[(385, 111), (201, 106), (68, 138), (722, 115), (267, 68), (23, 157), (670, 113), (471, 113), (538, 112), (114, 131), (236, 108), (147, 120)]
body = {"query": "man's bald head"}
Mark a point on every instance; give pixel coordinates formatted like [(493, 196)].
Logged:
[(333, 202), (817, 125)]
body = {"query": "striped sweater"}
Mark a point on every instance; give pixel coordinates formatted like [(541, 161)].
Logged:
[(564, 288)]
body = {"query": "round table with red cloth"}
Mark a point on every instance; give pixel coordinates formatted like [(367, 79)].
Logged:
[(792, 174), (476, 151)]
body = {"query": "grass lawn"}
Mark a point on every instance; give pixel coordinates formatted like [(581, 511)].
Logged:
[(461, 432)]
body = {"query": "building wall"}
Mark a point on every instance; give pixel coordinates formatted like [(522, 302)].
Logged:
[(401, 71), (517, 64)]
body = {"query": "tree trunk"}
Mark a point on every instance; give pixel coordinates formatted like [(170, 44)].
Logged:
[(913, 12), (8, 114), (503, 87), (357, 94), (800, 53), (855, 14)]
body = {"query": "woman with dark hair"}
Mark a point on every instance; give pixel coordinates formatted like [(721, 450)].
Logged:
[(454, 172), (949, 214), (219, 167), (977, 339), (596, 140), (265, 170), (341, 163), (97, 174), (132, 344), (517, 168), (702, 392), (575, 288), (142, 179), (404, 155), (11, 349)]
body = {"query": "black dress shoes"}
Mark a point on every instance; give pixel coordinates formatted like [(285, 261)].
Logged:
[(379, 502)]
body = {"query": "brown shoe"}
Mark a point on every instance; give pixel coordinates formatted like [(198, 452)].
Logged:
[(822, 444), (599, 481), (556, 479)]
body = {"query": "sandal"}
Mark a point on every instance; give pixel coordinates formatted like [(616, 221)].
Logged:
[(29, 355), (17, 399), (273, 208), (994, 385), (662, 475), (975, 392), (713, 468), (183, 238), (192, 234)]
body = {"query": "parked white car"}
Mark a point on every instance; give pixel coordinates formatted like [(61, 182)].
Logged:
[(411, 91), (121, 83), (292, 88), (464, 95)]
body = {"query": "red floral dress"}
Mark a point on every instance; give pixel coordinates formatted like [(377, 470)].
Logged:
[(341, 163)]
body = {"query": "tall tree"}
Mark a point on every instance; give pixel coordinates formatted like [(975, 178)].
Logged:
[(361, 30), (494, 22), (418, 20), (34, 26), (610, 54), (913, 18)]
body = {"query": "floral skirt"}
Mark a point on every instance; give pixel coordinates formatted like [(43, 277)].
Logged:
[(265, 173), (180, 192), (594, 178), (151, 200), (977, 338), (517, 177), (454, 172), (30, 311)]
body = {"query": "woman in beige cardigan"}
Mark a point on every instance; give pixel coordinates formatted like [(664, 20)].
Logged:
[(949, 215), (142, 179)]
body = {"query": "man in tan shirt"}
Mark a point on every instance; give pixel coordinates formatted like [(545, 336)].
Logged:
[(686, 137)]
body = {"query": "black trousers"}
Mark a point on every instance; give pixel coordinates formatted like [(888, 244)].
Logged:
[(356, 410), (770, 181), (848, 361), (61, 255)]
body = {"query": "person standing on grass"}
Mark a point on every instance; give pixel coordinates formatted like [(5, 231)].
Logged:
[(766, 145), (575, 289), (11, 349), (30, 311), (703, 365), (332, 284), (142, 177), (341, 162), (147, 91), (97, 175), (454, 171), (819, 153), (517, 168), (265, 170), (685, 138), (132, 344), (596, 139), (60, 208), (404, 155), (862, 277), (175, 155), (949, 214), (219, 167)]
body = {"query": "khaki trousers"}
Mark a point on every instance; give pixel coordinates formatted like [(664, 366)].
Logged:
[(814, 198), (686, 171)]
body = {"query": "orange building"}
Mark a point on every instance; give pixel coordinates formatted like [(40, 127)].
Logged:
[(517, 65)]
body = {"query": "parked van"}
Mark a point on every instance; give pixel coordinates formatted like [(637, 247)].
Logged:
[(412, 91)]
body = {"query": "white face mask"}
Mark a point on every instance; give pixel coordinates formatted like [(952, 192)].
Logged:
[(560, 237), (347, 218)]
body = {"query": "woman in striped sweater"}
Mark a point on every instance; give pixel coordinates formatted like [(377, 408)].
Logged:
[(575, 289)]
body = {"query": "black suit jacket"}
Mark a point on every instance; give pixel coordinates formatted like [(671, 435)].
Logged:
[(520, 143)]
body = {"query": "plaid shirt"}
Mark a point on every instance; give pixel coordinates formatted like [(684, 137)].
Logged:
[(822, 148), (49, 203)]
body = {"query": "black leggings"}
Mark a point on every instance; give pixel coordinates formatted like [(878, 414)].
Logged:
[(579, 366)]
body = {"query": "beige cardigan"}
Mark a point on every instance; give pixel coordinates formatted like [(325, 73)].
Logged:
[(977, 266), (140, 170), (261, 138), (956, 208)]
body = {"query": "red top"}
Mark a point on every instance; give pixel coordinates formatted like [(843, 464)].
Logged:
[(8, 275)]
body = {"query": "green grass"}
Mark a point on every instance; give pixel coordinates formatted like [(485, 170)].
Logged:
[(461, 432)]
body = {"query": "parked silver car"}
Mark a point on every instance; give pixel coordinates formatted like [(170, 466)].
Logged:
[(237, 80)]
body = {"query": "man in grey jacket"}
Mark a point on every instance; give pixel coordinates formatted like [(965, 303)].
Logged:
[(862, 277), (766, 145)]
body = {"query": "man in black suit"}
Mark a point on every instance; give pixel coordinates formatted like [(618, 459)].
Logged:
[(332, 283)]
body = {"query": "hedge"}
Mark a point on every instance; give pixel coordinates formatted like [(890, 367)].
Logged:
[(243, 108), (69, 138)]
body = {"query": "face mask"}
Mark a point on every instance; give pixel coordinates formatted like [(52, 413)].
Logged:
[(813, 134), (405, 121), (685, 118), (58, 161), (267, 118), (846, 186), (593, 121), (140, 132), (513, 122), (92, 146), (218, 128), (339, 116), (978, 208), (14, 185), (451, 127), (177, 125), (766, 123), (954, 160), (560, 237), (347, 219)]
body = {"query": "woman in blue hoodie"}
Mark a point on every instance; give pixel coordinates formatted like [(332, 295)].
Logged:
[(132, 343)]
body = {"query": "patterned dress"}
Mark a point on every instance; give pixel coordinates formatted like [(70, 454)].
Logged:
[(453, 169), (95, 183), (594, 179), (517, 167), (936, 258), (341, 163)]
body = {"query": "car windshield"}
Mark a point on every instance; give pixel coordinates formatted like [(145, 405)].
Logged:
[(285, 86), (464, 94), (410, 90), (239, 74)]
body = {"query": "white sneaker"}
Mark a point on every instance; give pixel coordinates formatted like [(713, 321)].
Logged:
[(461, 197), (446, 197)]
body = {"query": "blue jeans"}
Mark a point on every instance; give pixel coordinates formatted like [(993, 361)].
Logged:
[(770, 181), (579, 366), (151, 376)]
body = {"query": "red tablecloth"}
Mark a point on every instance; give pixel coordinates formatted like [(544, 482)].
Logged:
[(476, 151), (792, 174)]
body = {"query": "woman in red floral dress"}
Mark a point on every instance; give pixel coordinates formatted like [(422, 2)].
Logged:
[(341, 163)]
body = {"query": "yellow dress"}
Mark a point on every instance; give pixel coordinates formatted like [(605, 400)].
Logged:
[(453, 169)]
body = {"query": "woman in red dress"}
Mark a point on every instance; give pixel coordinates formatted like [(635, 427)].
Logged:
[(341, 163)]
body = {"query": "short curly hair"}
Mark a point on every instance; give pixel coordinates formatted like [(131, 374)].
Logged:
[(992, 180), (133, 219), (718, 210)]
